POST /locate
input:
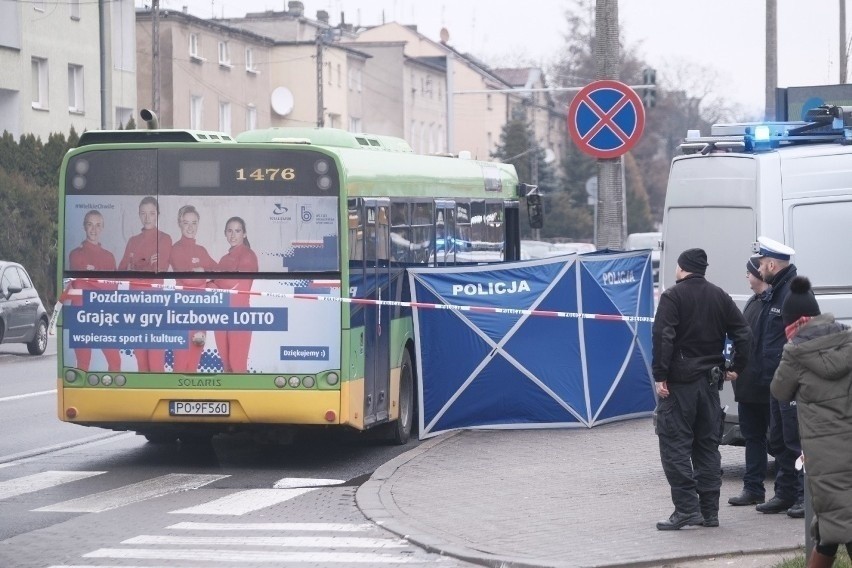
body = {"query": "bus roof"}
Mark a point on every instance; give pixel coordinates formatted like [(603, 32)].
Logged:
[(326, 137), (150, 136)]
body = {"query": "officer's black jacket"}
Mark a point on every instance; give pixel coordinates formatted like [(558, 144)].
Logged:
[(689, 330), (749, 387), (769, 335)]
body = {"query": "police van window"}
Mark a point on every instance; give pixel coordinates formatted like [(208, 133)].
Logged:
[(816, 229)]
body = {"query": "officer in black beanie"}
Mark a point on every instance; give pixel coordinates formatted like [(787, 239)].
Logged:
[(692, 320)]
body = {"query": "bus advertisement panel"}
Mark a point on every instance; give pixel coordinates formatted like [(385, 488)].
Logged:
[(156, 246)]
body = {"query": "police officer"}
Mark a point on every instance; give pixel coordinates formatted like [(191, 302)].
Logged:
[(751, 391), (692, 320), (777, 271)]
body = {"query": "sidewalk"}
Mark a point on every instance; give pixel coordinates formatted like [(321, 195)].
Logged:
[(570, 497)]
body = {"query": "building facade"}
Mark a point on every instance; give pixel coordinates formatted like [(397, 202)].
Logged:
[(52, 66)]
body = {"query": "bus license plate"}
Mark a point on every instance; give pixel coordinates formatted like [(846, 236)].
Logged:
[(199, 408)]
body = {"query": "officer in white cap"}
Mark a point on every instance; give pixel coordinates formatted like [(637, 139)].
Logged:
[(777, 270)]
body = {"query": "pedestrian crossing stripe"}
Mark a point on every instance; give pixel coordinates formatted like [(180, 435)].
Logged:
[(244, 502), (40, 481), (293, 482), (276, 527), (284, 541), (234, 557), (134, 493)]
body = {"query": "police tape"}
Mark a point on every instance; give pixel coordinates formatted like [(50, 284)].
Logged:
[(69, 291)]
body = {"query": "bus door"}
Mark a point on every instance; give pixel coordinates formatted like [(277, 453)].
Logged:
[(377, 325), (445, 230)]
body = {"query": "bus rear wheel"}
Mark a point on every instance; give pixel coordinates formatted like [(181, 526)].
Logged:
[(400, 430)]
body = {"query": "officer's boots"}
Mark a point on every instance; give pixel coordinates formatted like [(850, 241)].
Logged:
[(709, 503), (818, 560)]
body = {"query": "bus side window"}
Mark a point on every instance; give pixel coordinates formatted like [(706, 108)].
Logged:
[(423, 240), (400, 234), (382, 252), (356, 231)]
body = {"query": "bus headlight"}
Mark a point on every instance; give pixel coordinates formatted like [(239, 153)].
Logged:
[(120, 380), (70, 376), (107, 380), (332, 378), (308, 382), (280, 382), (93, 380), (294, 382)]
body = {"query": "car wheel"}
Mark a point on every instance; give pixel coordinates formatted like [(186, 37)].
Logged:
[(39, 342)]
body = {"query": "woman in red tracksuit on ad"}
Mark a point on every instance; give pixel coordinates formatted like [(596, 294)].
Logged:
[(148, 251), (90, 255), (189, 256), (234, 345)]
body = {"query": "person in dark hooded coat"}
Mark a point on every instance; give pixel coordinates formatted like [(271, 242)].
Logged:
[(816, 372)]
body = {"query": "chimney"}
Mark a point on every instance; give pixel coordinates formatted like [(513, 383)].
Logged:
[(296, 8), (322, 16), (185, 9)]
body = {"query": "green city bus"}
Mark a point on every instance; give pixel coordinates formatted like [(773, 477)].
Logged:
[(255, 284)]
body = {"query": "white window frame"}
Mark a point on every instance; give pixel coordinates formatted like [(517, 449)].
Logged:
[(225, 117), (195, 48), (250, 67), (122, 116), (74, 9), (224, 55), (196, 114), (251, 117), (39, 83), (355, 125), (76, 98)]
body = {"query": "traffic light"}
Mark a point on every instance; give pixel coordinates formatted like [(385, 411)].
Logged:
[(649, 94)]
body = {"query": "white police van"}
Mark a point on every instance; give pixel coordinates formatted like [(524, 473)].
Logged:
[(790, 181)]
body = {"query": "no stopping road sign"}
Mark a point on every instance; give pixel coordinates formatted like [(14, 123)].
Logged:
[(606, 119)]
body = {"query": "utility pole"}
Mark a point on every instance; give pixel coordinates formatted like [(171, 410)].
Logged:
[(103, 62), (155, 56), (320, 109), (844, 44), (610, 212), (771, 56)]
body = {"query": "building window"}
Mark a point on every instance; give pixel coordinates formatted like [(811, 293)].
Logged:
[(10, 25), (122, 117), (74, 6), (224, 54), (75, 88), (358, 80), (225, 117), (39, 82), (355, 124), (339, 76), (250, 61), (328, 71), (333, 120), (195, 104), (194, 48), (251, 117), (488, 102)]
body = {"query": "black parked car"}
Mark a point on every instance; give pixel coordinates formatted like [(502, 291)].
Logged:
[(23, 318)]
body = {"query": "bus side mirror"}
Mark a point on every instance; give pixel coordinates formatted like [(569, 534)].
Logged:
[(534, 211)]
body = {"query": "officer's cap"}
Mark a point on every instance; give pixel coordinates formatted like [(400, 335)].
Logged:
[(773, 249)]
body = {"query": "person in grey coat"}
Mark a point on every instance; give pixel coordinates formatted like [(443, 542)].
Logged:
[(816, 372)]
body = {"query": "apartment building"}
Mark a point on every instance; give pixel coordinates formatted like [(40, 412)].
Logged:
[(52, 66), (212, 76)]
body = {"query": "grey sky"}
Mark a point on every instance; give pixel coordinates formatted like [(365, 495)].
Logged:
[(723, 37)]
